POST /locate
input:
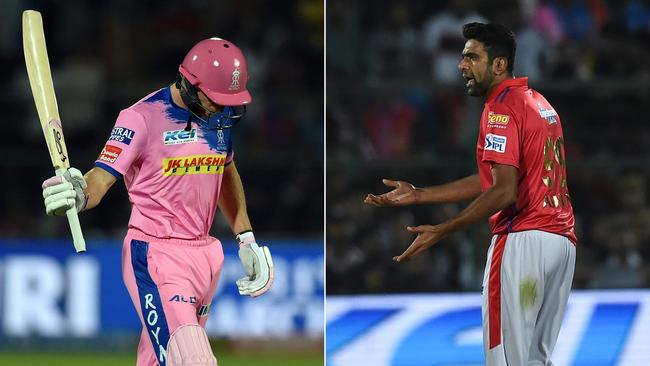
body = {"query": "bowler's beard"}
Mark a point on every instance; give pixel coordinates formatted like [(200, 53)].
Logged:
[(480, 88)]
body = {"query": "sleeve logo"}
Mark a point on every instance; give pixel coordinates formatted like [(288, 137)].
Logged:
[(495, 143), (548, 114), (110, 153), (498, 119), (121, 134)]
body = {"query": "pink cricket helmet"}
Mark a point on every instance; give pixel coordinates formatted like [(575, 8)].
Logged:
[(219, 69)]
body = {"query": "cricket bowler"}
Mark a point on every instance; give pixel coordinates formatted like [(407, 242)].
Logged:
[(521, 186), (174, 151)]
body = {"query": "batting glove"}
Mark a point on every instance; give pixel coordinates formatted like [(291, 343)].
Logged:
[(64, 192), (257, 264)]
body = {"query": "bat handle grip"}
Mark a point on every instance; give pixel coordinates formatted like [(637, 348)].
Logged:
[(75, 227)]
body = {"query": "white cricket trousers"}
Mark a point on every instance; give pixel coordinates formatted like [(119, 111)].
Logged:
[(526, 286)]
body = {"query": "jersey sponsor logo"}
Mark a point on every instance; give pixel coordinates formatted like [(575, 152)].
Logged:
[(498, 119), (121, 134), (110, 153), (194, 164), (548, 114), (495, 143), (179, 137)]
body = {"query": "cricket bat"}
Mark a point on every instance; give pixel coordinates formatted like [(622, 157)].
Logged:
[(40, 79)]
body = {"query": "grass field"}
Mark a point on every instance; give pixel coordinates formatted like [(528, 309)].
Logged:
[(105, 359)]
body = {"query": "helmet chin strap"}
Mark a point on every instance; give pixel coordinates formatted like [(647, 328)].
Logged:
[(190, 97)]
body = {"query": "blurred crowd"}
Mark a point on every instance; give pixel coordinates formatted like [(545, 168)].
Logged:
[(107, 55), (396, 109)]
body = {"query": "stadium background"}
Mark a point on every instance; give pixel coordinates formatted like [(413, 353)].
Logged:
[(105, 56), (396, 109)]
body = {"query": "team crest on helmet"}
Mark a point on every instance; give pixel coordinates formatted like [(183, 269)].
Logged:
[(234, 83)]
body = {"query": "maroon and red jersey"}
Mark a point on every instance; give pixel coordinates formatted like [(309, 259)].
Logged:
[(520, 128)]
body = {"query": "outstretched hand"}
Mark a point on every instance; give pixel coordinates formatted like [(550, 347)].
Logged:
[(428, 235), (403, 194)]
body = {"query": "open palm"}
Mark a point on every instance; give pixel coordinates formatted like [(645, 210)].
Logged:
[(403, 194)]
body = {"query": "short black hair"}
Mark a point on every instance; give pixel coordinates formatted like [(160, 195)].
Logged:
[(499, 40)]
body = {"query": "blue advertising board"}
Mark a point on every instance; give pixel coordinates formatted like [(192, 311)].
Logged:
[(600, 328), (47, 290)]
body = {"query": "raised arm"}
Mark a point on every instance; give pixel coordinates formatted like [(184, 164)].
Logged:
[(98, 182), (461, 190), (75, 190), (405, 194), (500, 195)]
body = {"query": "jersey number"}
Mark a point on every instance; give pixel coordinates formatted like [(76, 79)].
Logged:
[(553, 175)]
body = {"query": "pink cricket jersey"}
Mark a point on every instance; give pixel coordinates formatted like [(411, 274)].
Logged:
[(173, 177), (520, 128)]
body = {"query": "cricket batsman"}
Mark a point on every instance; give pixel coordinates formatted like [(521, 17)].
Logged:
[(174, 151), (521, 186)]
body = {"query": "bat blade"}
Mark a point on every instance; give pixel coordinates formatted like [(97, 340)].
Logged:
[(40, 79)]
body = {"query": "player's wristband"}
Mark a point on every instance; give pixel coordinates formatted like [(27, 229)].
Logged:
[(83, 207), (245, 237)]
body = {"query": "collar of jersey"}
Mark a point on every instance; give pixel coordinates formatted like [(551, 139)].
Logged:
[(523, 81)]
